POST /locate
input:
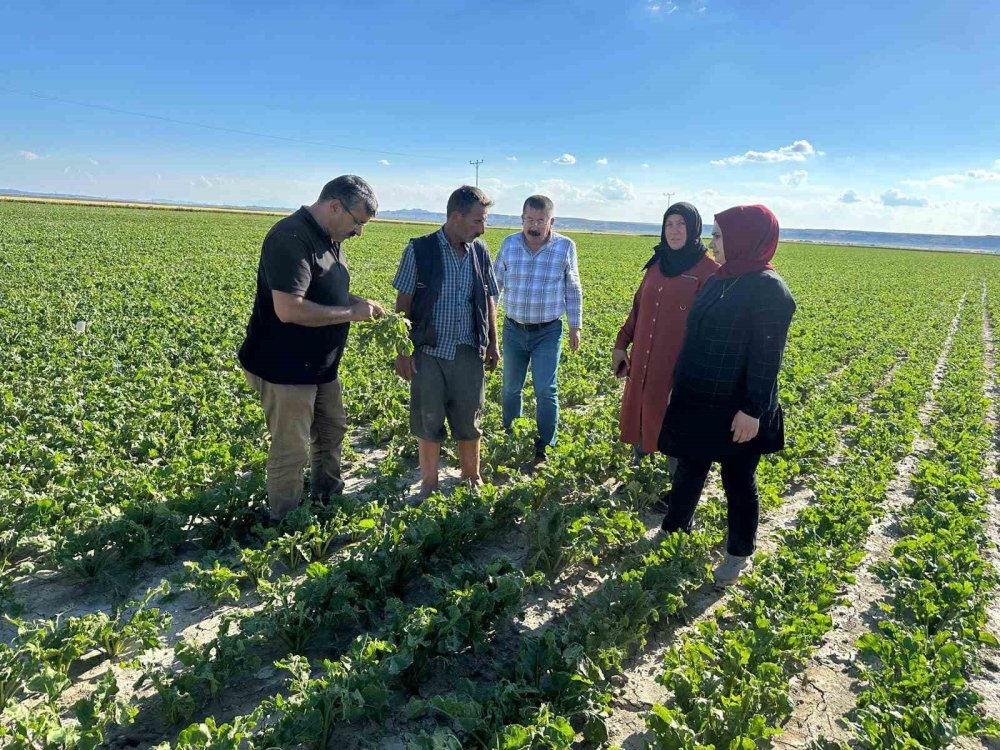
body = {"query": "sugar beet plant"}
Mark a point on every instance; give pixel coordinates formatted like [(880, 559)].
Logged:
[(131, 439)]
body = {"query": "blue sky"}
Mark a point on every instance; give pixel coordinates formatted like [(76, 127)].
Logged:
[(848, 115)]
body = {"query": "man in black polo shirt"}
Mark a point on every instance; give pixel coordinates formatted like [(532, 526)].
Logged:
[(296, 337)]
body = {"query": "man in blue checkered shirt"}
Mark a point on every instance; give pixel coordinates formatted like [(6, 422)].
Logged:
[(447, 290), (538, 277)]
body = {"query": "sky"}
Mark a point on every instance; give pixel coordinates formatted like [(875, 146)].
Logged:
[(877, 116)]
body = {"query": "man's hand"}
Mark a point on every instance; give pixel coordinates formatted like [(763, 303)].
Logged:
[(405, 367), (744, 427), (620, 363), (574, 339), (492, 356), (366, 309)]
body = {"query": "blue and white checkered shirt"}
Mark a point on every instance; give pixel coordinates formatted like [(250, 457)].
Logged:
[(453, 310), (539, 287)]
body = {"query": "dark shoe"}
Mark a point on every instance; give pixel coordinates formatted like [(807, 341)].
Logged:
[(539, 458), (265, 522), (662, 504), (320, 500)]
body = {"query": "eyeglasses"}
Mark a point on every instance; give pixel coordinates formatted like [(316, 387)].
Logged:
[(534, 222), (357, 224)]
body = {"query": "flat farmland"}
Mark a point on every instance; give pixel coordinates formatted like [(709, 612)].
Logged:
[(146, 606)]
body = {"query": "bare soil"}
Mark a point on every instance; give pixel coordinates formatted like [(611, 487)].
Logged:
[(826, 690)]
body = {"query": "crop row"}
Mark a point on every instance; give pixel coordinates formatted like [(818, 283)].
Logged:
[(613, 624), (137, 441), (729, 678), (918, 659)]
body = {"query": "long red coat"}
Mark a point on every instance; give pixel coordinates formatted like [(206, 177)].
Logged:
[(655, 329)]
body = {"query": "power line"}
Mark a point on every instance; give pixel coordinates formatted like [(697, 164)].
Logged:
[(220, 128), (477, 162)]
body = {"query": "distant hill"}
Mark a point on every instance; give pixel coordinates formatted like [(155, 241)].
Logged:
[(962, 243), (570, 223), (149, 201), (405, 214)]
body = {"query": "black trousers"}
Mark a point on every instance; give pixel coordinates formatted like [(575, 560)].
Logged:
[(742, 501)]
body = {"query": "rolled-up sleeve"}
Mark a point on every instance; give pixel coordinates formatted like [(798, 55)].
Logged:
[(406, 274), (491, 280)]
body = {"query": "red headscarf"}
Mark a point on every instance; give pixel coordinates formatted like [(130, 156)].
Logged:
[(750, 237)]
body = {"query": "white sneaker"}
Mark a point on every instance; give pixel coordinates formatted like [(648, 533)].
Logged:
[(730, 569)]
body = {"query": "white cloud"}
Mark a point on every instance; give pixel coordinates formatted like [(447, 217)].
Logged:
[(603, 161), (796, 178), (941, 181), (798, 151), (202, 181), (982, 175), (28, 155), (664, 7), (511, 158), (93, 161), (851, 196), (613, 189), (560, 190), (383, 162), (565, 159), (893, 197), (956, 179), (644, 165)]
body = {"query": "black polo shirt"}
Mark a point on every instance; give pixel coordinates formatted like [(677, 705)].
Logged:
[(297, 257)]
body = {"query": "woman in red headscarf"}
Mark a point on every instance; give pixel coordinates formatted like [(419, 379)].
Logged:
[(724, 404)]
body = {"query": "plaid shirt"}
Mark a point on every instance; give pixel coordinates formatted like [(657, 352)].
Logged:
[(540, 287), (453, 310)]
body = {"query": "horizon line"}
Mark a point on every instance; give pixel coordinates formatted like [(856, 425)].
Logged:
[(13, 193)]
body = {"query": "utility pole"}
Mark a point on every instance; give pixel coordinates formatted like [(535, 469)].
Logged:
[(669, 196), (476, 163)]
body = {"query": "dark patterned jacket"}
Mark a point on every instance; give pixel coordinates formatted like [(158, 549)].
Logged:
[(733, 344)]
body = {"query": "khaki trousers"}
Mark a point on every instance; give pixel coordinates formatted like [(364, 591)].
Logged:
[(301, 419)]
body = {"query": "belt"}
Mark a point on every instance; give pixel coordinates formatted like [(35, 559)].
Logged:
[(530, 326)]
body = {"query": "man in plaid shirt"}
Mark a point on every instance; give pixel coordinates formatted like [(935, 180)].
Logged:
[(448, 291), (538, 278)]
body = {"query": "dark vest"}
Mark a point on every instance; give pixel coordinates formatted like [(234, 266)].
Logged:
[(427, 253)]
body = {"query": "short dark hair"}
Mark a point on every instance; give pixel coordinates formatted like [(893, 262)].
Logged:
[(465, 198), (539, 203), (350, 190)]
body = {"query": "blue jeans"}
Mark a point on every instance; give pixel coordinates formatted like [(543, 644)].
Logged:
[(540, 348)]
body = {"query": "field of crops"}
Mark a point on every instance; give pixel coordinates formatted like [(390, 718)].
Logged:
[(146, 606)]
